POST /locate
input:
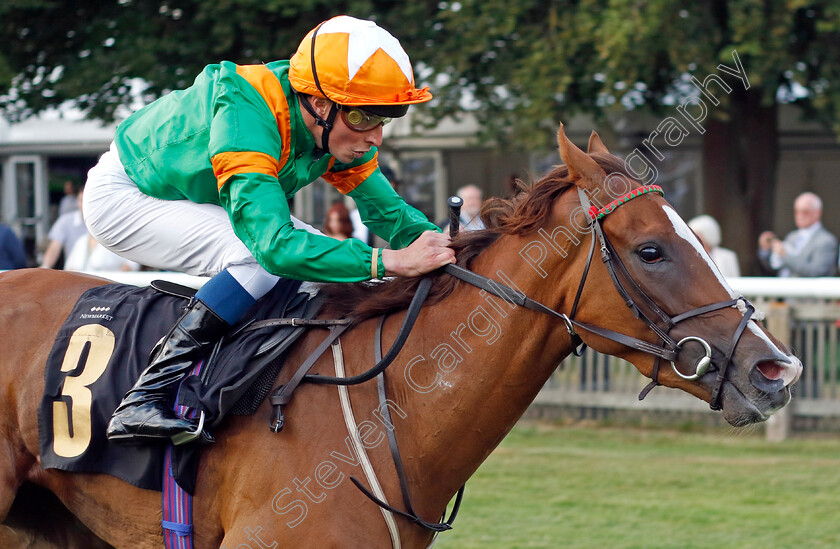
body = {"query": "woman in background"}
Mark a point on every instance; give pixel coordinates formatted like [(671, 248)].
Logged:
[(337, 222), (708, 231)]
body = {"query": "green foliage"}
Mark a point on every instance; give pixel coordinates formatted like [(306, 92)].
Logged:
[(519, 66), (92, 51), (529, 64)]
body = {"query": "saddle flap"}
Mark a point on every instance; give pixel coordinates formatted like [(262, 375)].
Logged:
[(240, 372)]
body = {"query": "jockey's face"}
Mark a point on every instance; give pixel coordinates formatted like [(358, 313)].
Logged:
[(346, 144)]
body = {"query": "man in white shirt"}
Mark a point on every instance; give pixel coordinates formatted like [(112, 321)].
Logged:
[(64, 234), (470, 219), (810, 250)]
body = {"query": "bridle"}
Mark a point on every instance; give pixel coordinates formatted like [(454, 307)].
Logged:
[(668, 350), (661, 326)]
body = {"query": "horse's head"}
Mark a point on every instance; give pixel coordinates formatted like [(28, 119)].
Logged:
[(673, 296)]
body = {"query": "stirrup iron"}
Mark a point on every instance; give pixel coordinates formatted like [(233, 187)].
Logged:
[(189, 436)]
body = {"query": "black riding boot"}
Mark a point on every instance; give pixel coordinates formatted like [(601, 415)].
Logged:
[(146, 410)]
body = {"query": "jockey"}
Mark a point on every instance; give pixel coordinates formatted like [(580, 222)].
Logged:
[(199, 182)]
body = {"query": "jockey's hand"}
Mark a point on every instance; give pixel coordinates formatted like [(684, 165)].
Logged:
[(430, 251)]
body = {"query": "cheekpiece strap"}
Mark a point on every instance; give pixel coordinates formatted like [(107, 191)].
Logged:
[(595, 213)]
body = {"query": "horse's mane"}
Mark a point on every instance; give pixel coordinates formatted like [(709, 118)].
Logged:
[(522, 214)]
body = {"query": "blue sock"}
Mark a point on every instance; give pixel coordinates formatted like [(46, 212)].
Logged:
[(226, 297)]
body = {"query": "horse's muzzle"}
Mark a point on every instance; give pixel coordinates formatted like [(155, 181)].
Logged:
[(771, 376)]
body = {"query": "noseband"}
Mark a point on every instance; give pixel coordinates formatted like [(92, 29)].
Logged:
[(662, 326)]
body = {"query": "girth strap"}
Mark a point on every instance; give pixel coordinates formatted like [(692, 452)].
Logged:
[(283, 395), (409, 513)]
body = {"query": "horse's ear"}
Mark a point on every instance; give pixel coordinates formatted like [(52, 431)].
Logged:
[(584, 171), (596, 145)]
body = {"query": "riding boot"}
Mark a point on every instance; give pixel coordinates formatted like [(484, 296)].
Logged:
[(146, 410)]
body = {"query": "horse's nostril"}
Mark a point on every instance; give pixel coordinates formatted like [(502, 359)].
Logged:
[(786, 371), (771, 370), (767, 377)]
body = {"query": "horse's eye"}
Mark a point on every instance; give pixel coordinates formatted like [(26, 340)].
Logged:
[(650, 254)]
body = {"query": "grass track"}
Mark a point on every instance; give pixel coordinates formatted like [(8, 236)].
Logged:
[(549, 486)]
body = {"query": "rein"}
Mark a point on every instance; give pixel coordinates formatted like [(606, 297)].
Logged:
[(669, 348), (616, 267), (409, 513), (283, 395)]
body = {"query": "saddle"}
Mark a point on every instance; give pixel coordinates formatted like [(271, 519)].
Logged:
[(104, 345)]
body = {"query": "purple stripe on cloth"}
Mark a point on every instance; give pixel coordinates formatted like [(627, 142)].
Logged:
[(177, 503)]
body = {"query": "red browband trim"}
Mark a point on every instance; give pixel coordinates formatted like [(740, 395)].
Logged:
[(595, 213)]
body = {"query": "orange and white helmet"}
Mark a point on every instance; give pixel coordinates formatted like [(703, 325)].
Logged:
[(356, 63)]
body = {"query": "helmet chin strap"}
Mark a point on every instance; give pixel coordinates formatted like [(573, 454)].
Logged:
[(326, 125)]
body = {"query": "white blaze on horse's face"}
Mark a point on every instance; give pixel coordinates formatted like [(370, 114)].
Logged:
[(789, 373), (682, 230)]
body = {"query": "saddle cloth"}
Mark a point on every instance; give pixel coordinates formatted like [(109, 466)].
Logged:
[(104, 345)]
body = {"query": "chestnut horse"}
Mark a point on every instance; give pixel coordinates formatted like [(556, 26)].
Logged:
[(468, 371)]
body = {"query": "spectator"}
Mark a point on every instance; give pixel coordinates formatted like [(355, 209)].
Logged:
[(91, 256), (64, 233), (337, 223), (69, 202), (470, 210), (87, 254), (810, 250), (470, 218), (708, 231), (12, 254)]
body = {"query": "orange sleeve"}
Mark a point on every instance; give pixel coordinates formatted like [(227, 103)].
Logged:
[(228, 164)]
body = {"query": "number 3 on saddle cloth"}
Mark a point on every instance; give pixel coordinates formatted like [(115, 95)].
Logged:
[(104, 345)]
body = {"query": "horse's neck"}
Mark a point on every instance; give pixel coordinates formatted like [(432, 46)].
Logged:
[(479, 365)]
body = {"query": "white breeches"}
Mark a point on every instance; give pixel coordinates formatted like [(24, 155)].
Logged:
[(172, 235)]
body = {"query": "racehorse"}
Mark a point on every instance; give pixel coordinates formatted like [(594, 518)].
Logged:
[(467, 372)]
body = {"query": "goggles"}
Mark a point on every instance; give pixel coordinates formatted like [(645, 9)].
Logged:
[(360, 121)]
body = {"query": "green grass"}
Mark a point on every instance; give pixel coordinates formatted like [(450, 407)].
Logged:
[(549, 486)]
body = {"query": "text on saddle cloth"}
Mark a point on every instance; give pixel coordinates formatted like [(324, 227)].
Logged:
[(104, 345)]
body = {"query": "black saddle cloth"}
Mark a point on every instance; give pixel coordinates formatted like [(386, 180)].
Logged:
[(104, 345)]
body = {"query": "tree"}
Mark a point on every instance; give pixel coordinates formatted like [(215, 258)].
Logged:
[(518, 66), (530, 63), (95, 52)]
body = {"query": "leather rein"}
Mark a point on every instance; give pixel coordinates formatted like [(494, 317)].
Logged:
[(668, 350), (617, 271)]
